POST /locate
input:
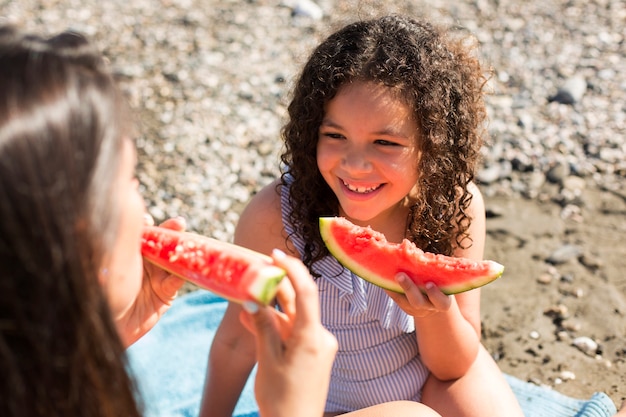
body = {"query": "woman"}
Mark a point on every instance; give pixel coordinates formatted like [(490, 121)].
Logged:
[(74, 292)]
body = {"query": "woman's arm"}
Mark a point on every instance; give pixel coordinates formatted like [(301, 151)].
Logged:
[(295, 352), (158, 290)]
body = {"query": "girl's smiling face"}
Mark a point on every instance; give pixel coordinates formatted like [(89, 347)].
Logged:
[(368, 152)]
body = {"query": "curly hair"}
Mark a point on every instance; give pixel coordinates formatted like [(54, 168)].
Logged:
[(443, 83), (62, 124)]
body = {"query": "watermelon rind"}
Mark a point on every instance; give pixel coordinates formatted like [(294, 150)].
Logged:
[(265, 286), (368, 243)]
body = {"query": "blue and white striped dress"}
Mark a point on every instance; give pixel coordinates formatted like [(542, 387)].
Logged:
[(378, 360)]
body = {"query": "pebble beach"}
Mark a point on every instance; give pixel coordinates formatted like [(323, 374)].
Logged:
[(209, 82)]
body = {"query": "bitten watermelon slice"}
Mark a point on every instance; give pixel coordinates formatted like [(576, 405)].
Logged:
[(367, 253), (230, 271)]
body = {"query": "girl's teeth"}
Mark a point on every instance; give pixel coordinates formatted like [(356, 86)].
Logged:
[(359, 189)]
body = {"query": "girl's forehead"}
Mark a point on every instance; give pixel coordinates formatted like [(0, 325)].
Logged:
[(370, 108), (375, 89), (373, 94)]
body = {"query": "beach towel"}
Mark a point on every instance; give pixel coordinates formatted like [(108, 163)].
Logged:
[(169, 365)]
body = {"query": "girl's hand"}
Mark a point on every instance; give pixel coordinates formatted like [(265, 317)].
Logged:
[(417, 304), (158, 290), (294, 351)]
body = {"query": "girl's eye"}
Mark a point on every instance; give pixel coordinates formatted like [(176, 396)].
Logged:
[(386, 142), (332, 135)]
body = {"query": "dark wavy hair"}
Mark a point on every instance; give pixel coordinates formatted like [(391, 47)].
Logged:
[(443, 83), (61, 129)]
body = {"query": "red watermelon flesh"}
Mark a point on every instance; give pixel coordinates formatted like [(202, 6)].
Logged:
[(367, 253), (230, 271)]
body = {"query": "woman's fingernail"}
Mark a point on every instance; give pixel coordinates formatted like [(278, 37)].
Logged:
[(250, 306), (279, 254), (148, 220)]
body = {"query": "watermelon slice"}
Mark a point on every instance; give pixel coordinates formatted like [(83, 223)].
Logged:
[(367, 253), (230, 271)]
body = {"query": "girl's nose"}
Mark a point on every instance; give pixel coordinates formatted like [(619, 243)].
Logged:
[(356, 160)]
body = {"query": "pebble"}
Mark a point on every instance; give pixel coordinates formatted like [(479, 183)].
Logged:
[(564, 254), (572, 212), (563, 336), (489, 174), (559, 311), (571, 92), (586, 345), (573, 183), (590, 261), (545, 278), (558, 172), (567, 375), (571, 325), (307, 8)]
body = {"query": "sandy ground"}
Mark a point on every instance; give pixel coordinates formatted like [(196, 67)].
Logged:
[(535, 311)]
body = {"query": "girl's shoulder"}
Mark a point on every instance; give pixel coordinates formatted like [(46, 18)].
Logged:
[(260, 224), (478, 203), (267, 199)]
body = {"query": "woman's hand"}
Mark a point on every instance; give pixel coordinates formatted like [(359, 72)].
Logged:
[(294, 351), (158, 290), (417, 304)]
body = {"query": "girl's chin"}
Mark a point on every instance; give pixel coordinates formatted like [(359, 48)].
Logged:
[(358, 216)]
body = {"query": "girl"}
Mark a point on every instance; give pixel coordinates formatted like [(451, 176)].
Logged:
[(73, 291), (384, 129)]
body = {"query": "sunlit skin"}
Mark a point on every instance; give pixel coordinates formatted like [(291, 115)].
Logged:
[(368, 154), (138, 294), (123, 272)]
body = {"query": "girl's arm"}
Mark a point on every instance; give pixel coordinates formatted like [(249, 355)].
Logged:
[(231, 359), (448, 327), (233, 352), (469, 302)]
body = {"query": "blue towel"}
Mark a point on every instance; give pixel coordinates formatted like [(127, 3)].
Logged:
[(169, 365), (539, 401)]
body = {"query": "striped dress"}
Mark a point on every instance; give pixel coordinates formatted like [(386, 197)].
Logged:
[(378, 360)]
